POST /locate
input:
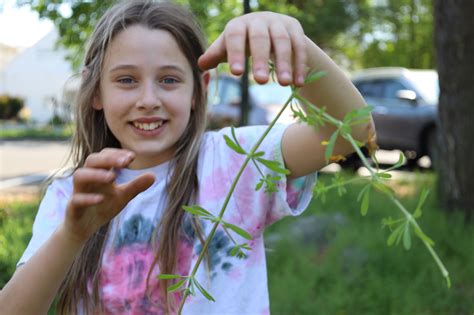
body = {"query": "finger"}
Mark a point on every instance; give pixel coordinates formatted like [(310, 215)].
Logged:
[(282, 48), (235, 36), (86, 179), (214, 55), (131, 189), (300, 56), (83, 200), (110, 158), (260, 47)]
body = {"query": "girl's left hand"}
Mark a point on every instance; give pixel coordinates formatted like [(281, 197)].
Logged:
[(268, 36)]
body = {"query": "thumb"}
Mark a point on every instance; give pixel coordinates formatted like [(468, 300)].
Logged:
[(131, 189), (214, 55)]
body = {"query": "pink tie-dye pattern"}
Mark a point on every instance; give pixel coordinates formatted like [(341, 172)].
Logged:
[(292, 196), (215, 185), (256, 254), (123, 281)]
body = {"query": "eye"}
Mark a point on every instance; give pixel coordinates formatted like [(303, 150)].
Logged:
[(126, 80), (169, 80)]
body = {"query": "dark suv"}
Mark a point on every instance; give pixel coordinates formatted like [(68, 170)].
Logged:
[(405, 108)]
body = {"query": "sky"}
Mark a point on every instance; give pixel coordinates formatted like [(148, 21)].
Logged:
[(21, 27)]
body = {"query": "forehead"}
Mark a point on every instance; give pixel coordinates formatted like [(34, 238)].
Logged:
[(141, 46)]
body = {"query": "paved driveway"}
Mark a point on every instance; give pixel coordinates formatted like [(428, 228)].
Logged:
[(31, 158)]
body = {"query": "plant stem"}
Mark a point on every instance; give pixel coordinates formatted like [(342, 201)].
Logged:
[(229, 194)]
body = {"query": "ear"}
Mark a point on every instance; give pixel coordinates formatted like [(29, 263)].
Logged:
[(206, 77), (96, 103)]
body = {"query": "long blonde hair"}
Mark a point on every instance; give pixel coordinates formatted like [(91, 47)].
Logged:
[(92, 135)]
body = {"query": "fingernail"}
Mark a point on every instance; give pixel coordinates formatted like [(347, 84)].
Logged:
[(261, 73), (237, 67), (110, 176), (125, 159), (285, 76)]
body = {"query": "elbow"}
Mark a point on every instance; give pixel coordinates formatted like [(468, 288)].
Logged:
[(364, 135), (368, 136)]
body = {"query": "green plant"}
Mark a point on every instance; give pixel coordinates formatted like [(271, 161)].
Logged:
[(402, 228), (63, 132), (330, 260), (10, 106), (16, 220)]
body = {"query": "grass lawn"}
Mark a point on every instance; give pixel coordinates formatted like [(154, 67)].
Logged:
[(333, 261), (339, 262), (37, 133)]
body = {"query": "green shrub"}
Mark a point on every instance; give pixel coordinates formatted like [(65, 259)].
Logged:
[(16, 220), (10, 106), (63, 132)]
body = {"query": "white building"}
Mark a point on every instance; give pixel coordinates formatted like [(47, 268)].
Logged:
[(38, 75)]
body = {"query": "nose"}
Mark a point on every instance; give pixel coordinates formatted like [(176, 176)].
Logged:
[(148, 98)]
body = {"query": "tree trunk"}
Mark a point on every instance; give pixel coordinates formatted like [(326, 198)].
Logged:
[(454, 40)]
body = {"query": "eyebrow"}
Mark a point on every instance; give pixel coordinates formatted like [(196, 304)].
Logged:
[(165, 67)]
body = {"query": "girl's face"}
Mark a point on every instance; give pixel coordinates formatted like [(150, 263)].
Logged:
[(146, 93)]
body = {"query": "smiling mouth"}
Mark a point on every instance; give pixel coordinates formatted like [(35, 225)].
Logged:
[(148, 126)]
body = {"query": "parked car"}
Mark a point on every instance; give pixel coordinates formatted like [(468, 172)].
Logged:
[(405, 107), (224, 102)]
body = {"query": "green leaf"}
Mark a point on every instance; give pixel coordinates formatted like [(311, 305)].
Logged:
[(401, 160), (198, 211), (314, 77), (234, 250), (394, 236), (383, 188), (176, 286), (424, 194), (407, 237), (424, 237), (238, 230), (330, 146), (274, 166), (168, 276), (362, 191), (358, 114), (203, 291), (345, 129), (384, 175), (364, 207), (259, 184), (234, 146)]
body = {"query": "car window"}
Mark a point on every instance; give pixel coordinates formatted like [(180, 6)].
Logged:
[(391, 87), (370, 88)]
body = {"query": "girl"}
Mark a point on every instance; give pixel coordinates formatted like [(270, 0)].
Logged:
[(104, 233)]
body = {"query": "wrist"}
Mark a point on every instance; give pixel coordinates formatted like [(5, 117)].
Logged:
[(73, 241)]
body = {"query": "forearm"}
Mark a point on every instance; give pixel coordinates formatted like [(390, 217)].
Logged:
[(334, 91), (34, 285)]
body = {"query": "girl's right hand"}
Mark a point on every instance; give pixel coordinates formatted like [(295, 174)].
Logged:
[(96, 198)]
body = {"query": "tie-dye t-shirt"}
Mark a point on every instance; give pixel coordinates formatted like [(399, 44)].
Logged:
[(238, 285)]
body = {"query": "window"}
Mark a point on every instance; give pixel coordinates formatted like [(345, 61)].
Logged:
[(391, 87), (370, 88)]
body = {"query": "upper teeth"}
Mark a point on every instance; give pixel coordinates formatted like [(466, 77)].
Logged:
[(150, 126)]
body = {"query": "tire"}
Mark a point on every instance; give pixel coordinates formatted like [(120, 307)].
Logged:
[(432, 149)]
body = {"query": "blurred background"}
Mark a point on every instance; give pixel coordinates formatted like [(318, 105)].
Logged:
[(412, 62)]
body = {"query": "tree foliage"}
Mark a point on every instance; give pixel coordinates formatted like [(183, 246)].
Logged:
[(357, 33)]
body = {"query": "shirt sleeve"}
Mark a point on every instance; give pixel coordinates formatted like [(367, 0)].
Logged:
[(50, 214), (292, 196)]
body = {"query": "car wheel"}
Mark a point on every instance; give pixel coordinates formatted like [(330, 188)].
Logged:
[(432, 149)]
